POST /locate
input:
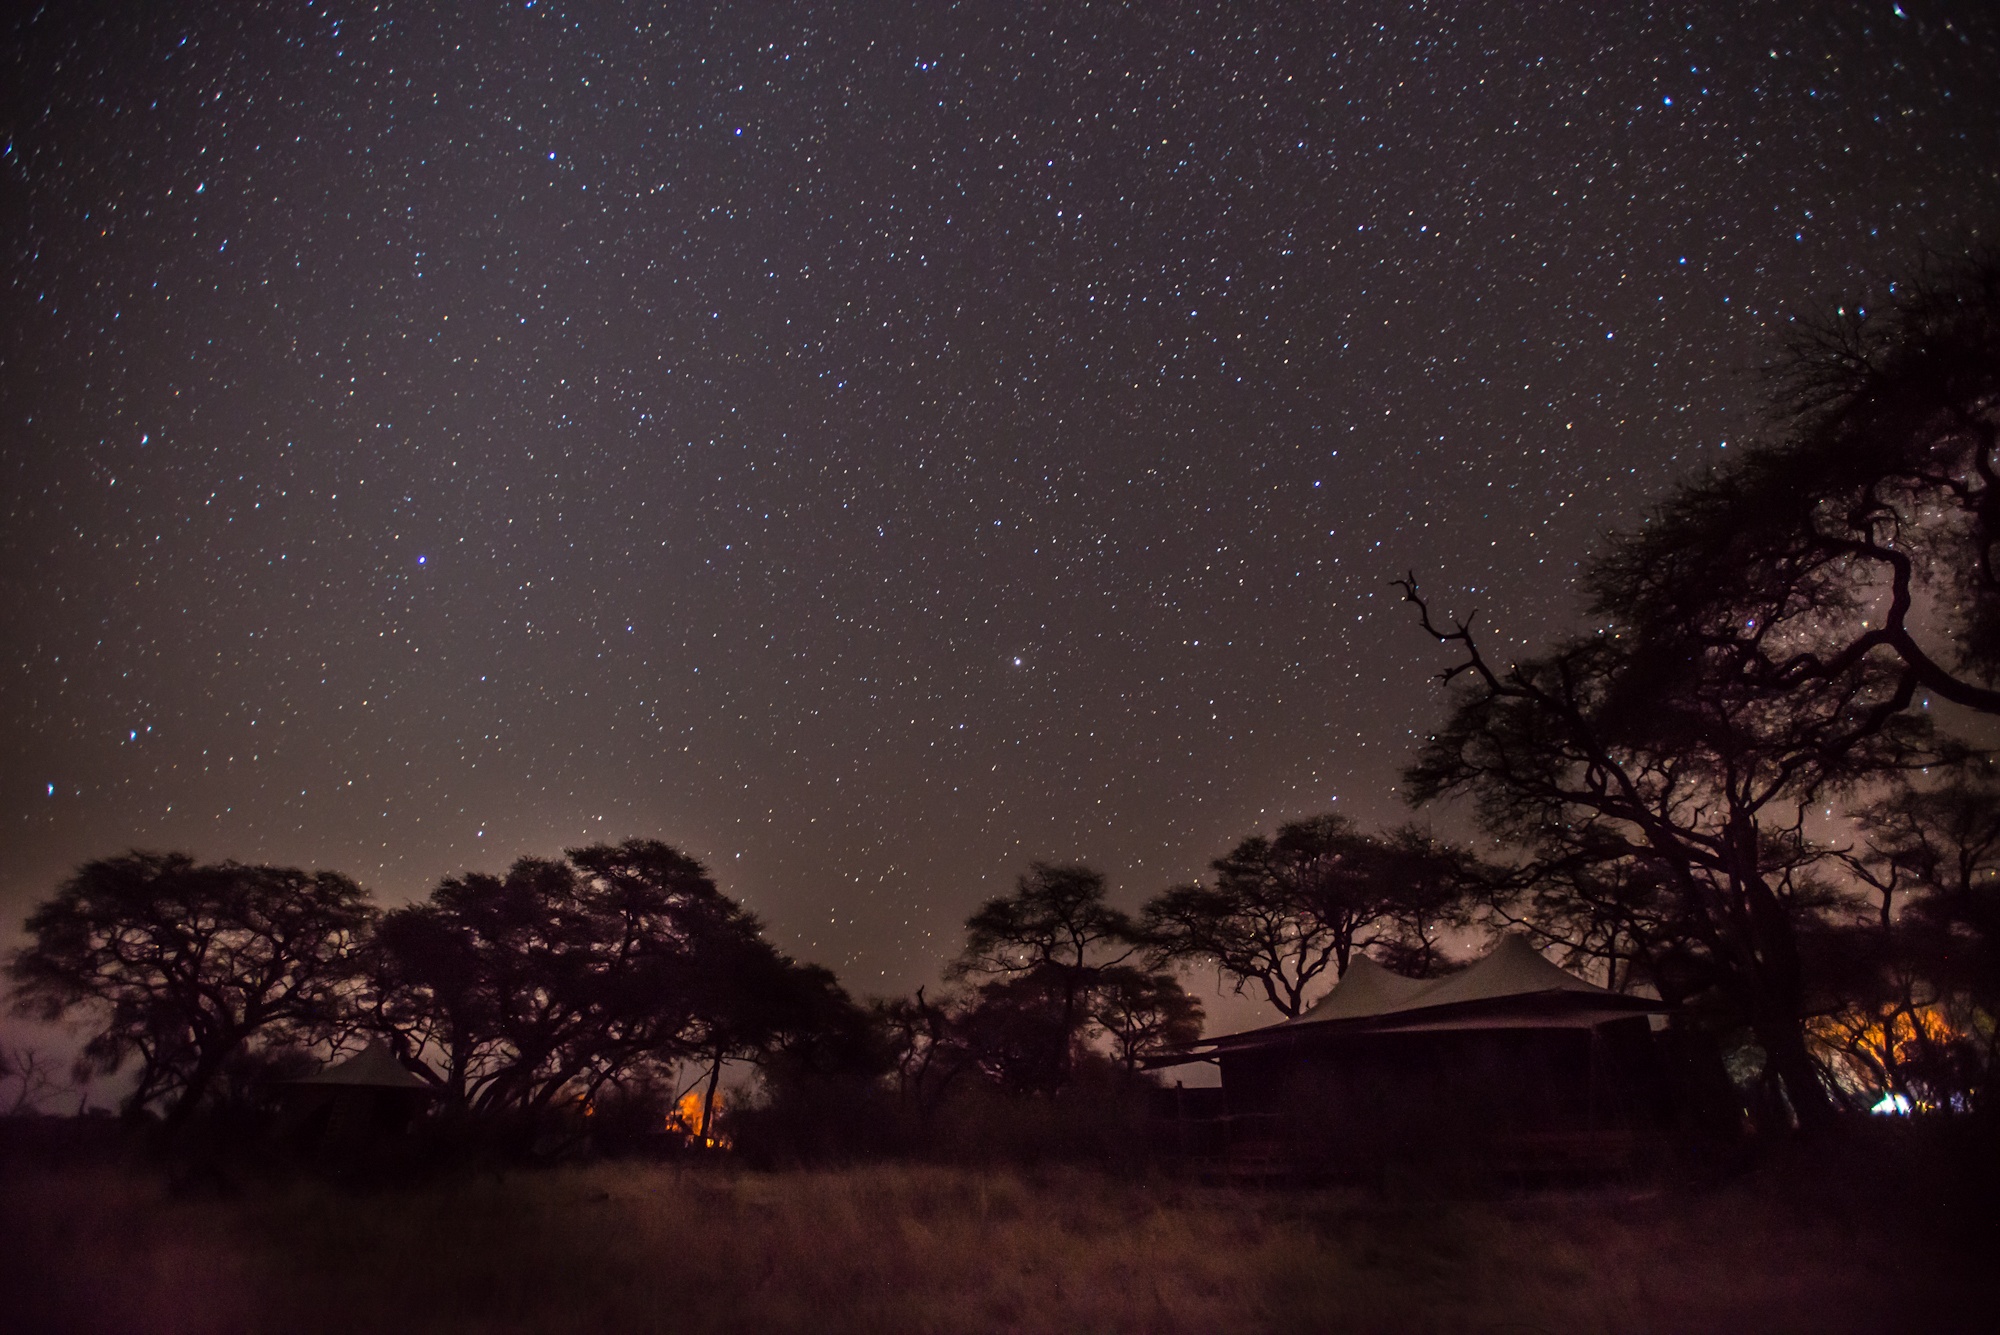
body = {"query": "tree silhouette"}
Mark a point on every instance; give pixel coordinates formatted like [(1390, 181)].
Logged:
[(562, 977), (180, 964), (1861, 546), (1045, 949), (1019, 1033), (1925, 980), (1766, 638), (1144, 1014), (1290, 911), (33, 1075), (1588, 756), (928, 1054)]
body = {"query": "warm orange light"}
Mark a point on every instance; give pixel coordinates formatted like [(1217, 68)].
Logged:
[(1884, 1041), (686, 1119)]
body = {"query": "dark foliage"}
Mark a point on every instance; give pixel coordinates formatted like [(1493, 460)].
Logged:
[(1916, 983), (1142, 1013), (1861, 545), (1041, 1054), (180, 964), (562, 980), (1702, 799), (1286, 912), (1762, 658), (1045, 950)]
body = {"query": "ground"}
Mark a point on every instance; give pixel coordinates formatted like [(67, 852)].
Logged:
[(106, 1244)]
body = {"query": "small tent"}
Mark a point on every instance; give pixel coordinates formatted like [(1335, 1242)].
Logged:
[(365, 1098), (1513, 1061)]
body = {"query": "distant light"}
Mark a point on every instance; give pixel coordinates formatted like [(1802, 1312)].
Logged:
[(1892, 1105), (52, 790), (422, 558)]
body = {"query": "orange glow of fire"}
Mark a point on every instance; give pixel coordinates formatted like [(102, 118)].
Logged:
[(1887, 1039), (686, 1120)]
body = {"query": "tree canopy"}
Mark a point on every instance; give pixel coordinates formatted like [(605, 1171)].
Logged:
[(1859, 544), (1054, 957), (179, 964), (560, 977), (1289, 912), (1765, 643)]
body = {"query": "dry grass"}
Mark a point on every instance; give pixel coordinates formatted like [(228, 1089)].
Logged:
[(919, 1249)]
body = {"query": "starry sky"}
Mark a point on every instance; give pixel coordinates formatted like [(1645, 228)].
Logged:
[(874, 445)]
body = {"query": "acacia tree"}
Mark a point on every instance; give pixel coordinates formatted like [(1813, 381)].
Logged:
[(1048, 951), (1014, 1030), (928, 1054), (179, 964), (1936, 847), (1767, 636), (492, 976), (683, 970), (563, 976), (1586, 757), (33, 1075), (1919, 1013), (1144, 1013), (751, 1003), (1610, 915), (1286, 912), (1432, 888), (1866, 533)]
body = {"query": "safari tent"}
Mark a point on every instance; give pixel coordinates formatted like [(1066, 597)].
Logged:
[(1512, 1062), (365, 1098)]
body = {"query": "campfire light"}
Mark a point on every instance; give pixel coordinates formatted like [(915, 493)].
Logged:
[(686, 1120)]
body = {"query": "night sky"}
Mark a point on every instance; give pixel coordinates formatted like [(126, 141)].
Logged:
[(869, 446)]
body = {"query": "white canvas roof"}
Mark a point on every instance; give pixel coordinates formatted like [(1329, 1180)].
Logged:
[(1514, 986), (1365, 989), (1512, 969)]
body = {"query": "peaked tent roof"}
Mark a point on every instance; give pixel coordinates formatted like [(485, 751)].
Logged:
[(374, 1067), (1514, 984), (1365, 989), (1512, 969)]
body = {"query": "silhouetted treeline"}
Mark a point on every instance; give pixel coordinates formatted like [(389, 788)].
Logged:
[(543, 991), (1731, 791), (584, 992)]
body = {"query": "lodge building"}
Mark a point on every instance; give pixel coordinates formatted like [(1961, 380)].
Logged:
[(1512, 1063)]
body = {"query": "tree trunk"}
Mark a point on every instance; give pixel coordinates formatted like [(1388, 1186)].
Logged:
[(1773, 957), (1783, 1040), (708, 1103), (199, 1079)]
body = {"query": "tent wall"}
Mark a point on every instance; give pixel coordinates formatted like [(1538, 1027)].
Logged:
[(1354, 1096)]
